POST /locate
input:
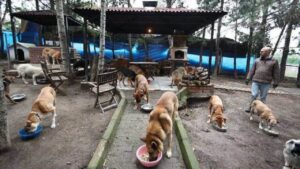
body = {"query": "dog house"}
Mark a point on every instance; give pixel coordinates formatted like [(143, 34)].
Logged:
[(22, 52)]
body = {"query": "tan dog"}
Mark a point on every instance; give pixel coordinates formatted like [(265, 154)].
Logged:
[(161, 124), (216, 110), (141, 89), (54, 54), (43, 105), (264, 112), (177, 76), (191, 70)]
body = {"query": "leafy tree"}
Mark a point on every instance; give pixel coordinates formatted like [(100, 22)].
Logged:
[(292, 21)]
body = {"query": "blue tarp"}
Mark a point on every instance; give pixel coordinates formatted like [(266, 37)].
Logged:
[(157, 52)]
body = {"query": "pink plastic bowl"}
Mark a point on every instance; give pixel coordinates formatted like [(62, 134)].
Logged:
[(142, 150)]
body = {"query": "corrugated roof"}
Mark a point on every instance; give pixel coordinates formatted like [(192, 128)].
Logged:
[(26, 45), (159, 20), (44, 17), (156, 10)]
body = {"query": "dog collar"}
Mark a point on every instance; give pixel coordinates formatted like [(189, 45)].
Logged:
[(38, 116)]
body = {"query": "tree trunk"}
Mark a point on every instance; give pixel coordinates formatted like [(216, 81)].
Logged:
[(262, 32), (52, 4), (201, 48), (218, 57), (1, 31), (102, 36), (278, 40), (1, 41), (285, 50), (249, 49), (4, 132), (13, 32), (298, 77), (37, 6), (95, 61), (130, 38), (62, 36), (290, 21), (211, 49), (235, 50)]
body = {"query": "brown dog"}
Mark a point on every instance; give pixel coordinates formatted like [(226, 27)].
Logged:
[(264, 112), (7, 80), (43, 105), (216, 110), (177, 76), (141, 89), (54, 54), (137, 70), (161, 124)]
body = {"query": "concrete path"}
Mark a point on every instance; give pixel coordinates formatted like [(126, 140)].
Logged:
[(132, 127), (159, 83)]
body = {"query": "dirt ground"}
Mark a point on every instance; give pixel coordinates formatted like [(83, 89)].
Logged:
[(244, 145), (70, 145)]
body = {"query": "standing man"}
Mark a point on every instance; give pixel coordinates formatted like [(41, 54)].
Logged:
[(264, 70)]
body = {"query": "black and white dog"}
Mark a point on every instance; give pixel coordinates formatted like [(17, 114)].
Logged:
[(291, 154)]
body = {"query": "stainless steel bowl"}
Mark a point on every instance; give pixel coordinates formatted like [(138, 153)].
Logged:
[(147, 107)]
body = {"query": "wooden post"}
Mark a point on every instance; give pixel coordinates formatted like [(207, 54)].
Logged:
[(211, 49), (13, 32), (68, 42), (201, 48), (85, 46), (113, 47)]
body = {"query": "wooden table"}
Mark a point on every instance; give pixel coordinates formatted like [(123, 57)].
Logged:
[(148, 67)]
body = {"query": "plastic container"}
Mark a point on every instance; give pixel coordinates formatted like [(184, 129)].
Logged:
[(143, 150), (30, 135)]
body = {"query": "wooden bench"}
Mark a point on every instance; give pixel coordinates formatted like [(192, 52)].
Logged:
[(54, 76), (106, 83)]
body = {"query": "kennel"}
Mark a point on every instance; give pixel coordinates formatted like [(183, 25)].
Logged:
[(23, 54)]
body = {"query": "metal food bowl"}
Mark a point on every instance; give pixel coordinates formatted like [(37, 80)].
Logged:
[(216, 127), (18, 97), (147, 107), (270, 132)]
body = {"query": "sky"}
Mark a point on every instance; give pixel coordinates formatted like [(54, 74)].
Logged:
[(227, 31)]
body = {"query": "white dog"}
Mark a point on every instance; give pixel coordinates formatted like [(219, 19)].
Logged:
[(29, 70), (291, 154)]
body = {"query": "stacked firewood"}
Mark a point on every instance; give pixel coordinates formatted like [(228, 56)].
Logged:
[(196, 76)]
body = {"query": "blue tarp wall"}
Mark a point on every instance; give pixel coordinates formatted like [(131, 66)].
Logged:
[(157, 52)]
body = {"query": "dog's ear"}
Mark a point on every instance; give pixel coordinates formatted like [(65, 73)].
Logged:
[(143, 139), (154, 145)]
